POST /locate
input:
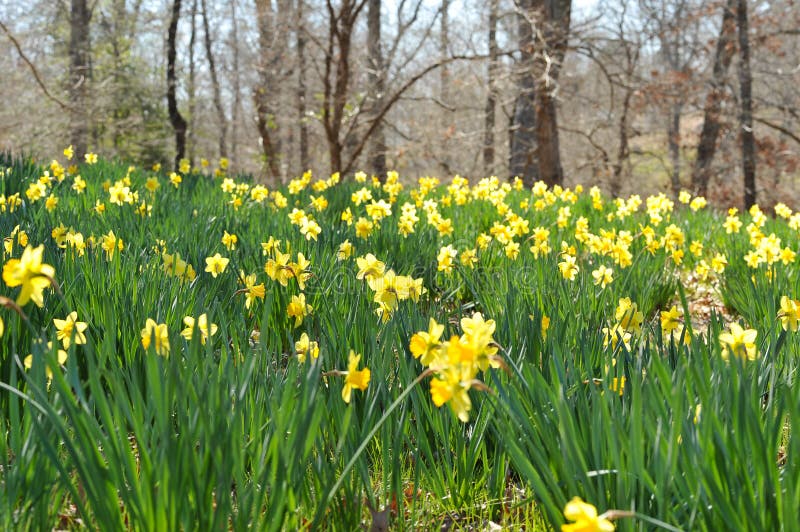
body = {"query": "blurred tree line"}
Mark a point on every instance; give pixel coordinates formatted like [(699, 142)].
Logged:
[(632, 95)]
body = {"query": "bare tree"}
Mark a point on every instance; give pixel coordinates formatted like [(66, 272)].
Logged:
[(447, 126), (674, 24), (192, 86), (223, 122), (746, 102), (707, 146), (522, 155), (175, 117), (264, 117), (552, 47), (491, 98), (377, 86), (79, 75), (341, 25), (236, 106), (302, 119)]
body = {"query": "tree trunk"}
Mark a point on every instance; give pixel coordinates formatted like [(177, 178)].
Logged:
[(192, 89), (175, 118), (746, 115), (264, 119), (522, 156), (376, 79), (556, 15), (79, 73), (491, 98), (623, 150), (301, 85), (707, 146), (236, 110), (447, 126), (223, 123), (674, 144), (336, 78)]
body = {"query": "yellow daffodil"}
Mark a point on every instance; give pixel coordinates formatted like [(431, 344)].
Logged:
[(789, 313), (253, 291), (298, 309), (61, 356), (345, 250), (585, 518), (201, 324), (160, 333), (301, 270), (369, 267), (31, 274), (216, 265), (304, 346), (70, 329), (110, 243), (739, 342), (354, 378), (229, 240), (568, 268), (628, 315), (447, 254), (669, 319), (424, 345), (603, 276)]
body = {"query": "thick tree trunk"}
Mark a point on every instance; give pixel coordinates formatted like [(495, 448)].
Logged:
[(522, 156), (746, 115), (491, 98), (548, 153), (79, 73), (264, 119), (175, 118), (707, 146), (301, 85), (376, 78), (556, 16), (336, 80), (223, 122)]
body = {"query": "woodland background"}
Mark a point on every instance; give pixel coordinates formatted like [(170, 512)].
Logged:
[(631, 95)]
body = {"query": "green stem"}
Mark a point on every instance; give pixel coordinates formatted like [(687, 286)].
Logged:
[(366, 441), (656, 522)]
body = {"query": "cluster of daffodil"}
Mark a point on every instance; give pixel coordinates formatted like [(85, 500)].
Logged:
[(456, 363), (309, 228), (628, 323), (603, 251), (389, 287), (17, 235), (738, 342), (175, 266), (32, 275), (157, 334), (673, 327), (765, 249)]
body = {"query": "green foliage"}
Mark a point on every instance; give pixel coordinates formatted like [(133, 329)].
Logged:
[(237, 432)]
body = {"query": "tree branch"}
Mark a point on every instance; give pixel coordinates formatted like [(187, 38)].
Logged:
[(396, 96), (778, 127), (35, 72)]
